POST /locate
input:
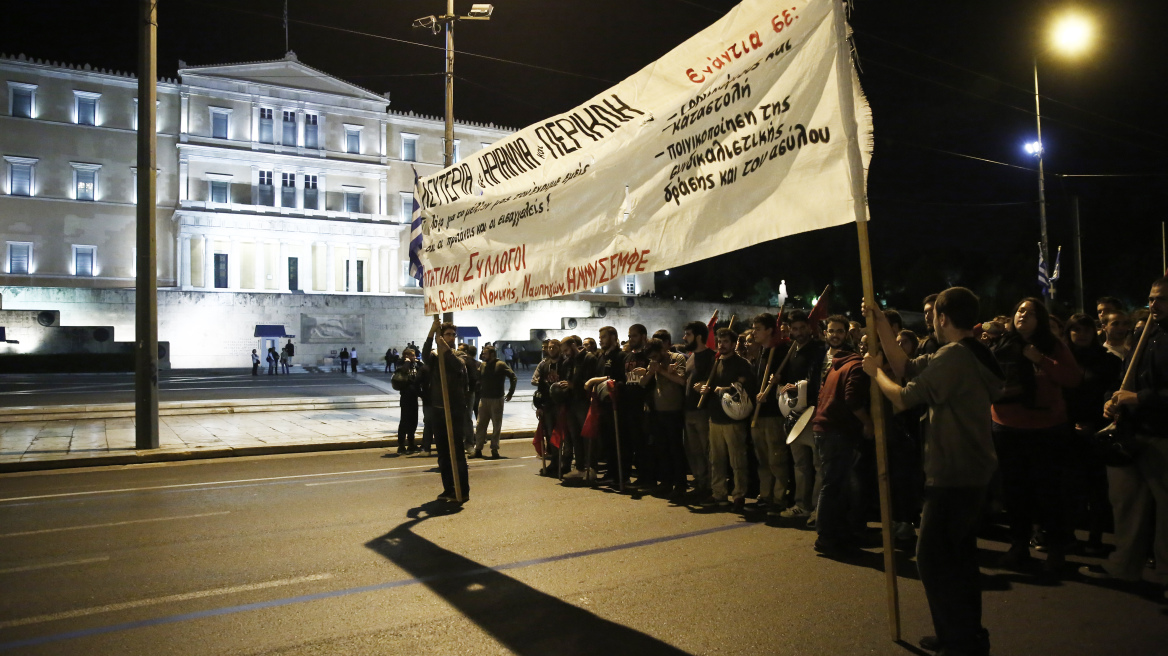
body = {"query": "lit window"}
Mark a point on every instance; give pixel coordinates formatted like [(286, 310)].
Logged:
[(310, 131), (219, 191), (219, 122), (288, 190), (407, 208), (84, 258), (267, 194), (409, 151), (19, 256), (353, 202), (311, 197), (289, 137), (22, 98), (630, 284), (352, 141), (86, 107), (85, 180), (21, 172), (265, 125)]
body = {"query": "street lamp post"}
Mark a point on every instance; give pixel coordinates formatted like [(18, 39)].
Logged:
[(1041, 182)]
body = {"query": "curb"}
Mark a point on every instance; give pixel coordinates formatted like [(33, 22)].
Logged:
[(142, 457)]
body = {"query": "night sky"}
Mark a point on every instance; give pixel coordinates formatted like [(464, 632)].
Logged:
[(945, 80)]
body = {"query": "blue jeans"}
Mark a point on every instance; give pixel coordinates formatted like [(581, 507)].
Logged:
[(839, 454)]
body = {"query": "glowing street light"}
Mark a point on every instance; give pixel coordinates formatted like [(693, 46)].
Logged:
[(1033, 148), (1072, 34)]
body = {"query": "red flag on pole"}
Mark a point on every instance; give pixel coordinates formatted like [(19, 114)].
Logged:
[(820, 312), (711, 340)]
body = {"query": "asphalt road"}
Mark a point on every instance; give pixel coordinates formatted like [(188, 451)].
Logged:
[(187, 385), (344, 553)]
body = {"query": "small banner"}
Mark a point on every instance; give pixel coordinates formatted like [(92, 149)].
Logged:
[(740, 135)]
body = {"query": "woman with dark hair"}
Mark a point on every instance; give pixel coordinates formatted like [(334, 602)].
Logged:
[(1031, 432), (1101, 370)]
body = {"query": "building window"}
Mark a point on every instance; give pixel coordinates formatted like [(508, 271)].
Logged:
[(265, 125), (407, 207), (267, 194), (22, 99), (21, 172), (220, 270), (630, 285), (310, 131), (84, 260), (219, 123), (409, 152), (19, 256), (85, 180), (311, 198), (353, 202), (289, 137), (85, 105), (353, 139), (220, 191), (288, 190)]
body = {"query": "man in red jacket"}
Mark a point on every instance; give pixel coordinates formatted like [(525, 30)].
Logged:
[(841, 422)]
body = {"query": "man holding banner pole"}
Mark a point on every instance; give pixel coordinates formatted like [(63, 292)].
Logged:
[(610, 366), (770, 440), (448, 394)]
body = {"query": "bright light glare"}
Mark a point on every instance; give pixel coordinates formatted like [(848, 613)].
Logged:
[(1033, 148), (1072, 34)]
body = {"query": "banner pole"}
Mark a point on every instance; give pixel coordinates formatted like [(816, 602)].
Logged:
[(710, 380), (449, 421), (847, 101)]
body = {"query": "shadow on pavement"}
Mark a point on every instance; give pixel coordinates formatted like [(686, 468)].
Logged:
[(521, 618)]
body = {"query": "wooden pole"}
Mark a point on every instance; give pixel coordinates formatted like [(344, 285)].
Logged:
[(146, 283), (847, 104), (446, 407), (710, 380), (620, 468)]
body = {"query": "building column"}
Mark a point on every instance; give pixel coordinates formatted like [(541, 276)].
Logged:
[(277, 187), (184, 262), (375, 269), (394, 265), (330, 268), (282, 269), (352, 268), (183, 179), (233, 267), (310, 248), (255, 125), (208, 262), (300, 179), (261, 272)]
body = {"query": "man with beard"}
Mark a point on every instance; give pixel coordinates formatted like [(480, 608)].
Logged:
[(804, 364), (455, 382), (610, 365), (931, 344), (576, 367), (698, 366), (666, 381), (633, 396), (728, 434), (770, 440), (547, 375), (492, 373)]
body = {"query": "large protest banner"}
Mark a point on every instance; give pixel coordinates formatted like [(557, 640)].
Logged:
[(737, 136)]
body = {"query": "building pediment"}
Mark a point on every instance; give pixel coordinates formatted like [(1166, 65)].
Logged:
[(284, 73)]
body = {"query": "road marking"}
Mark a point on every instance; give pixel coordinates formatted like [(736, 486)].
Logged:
[(129, 521), (382, 478), (65, 563), (186, 596), (181, 485), (164, 388), (331, 594)]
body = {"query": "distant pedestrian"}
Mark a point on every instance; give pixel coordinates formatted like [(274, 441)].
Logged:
[(353, 359), (492, 374), (284, 359), (291, 349), (273, 360), (255, 363), (509, 356), (344, 358), (388, 359)]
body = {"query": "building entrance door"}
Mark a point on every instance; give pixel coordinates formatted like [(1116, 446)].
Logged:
[(293, 273)]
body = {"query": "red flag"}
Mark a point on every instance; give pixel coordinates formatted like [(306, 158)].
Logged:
[(557, 437), (711, 327), (820, 312), (591, 429), (538, 441)]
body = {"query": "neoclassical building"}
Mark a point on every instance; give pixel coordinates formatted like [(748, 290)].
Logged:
[(273, 177)]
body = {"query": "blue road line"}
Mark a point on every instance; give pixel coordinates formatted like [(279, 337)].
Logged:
[(288, 601)]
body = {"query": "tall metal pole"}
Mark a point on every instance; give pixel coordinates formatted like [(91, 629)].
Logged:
[(1041, 181), (146, 286), (1079, 304), (448, 154)]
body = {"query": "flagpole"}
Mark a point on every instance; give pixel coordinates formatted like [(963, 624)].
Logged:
[(859, 195)]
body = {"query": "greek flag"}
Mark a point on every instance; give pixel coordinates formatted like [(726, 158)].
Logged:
[(416, 269), (1043, 279)]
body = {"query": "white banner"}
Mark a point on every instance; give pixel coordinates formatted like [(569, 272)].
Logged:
[(740, 135)]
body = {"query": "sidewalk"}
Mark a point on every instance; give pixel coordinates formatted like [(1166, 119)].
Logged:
[(52, 444)]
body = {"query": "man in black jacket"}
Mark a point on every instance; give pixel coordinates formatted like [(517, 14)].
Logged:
[(455, 382), (1139, 491), (805, 364), (492, 373), (728, 434)]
